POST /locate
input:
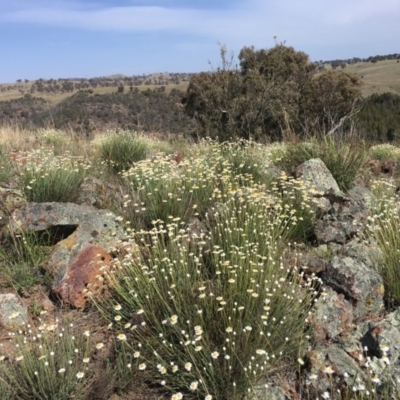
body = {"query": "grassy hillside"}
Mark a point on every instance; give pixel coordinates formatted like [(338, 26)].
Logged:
[(379, 77), (11, 91)]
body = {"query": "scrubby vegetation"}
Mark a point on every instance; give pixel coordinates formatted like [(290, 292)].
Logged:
[(207, 312)]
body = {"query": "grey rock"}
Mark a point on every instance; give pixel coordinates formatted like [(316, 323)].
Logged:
[(267, 392), (342, 222), (13, 312), (367, 252), (361, 194), (332, 316), (347, 369), (314, 171), (360, 284), (94, 192)]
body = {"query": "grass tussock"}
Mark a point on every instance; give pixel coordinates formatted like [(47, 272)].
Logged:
[(45, 177), (48, 362), (210, 314), (344, 157), (384, 227), (121, 150)]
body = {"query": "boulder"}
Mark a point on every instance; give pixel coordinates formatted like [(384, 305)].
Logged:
[(13, 311), (360, 284), (332, 317), (314, 171), (83, 276), (343, 220), (85, 233)]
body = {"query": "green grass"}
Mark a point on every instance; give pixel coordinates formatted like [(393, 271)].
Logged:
[(49, 364), (380, 77), (344, 157), (122, 150), (21, 259), (45, 177)]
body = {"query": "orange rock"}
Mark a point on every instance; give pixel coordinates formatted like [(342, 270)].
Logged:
[(83, 276)]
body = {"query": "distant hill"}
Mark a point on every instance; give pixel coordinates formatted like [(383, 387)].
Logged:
[(378, 77), (56, 90)]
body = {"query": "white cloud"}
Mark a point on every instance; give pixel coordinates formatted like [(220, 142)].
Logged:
[(302, 23)]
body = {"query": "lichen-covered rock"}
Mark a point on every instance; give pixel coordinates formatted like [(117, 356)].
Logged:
[(332, 316), (361, 285), (383, 338), (82, 277), (332, 367), (361, 194), (70, 260), (314, 171), (367, 252), (94, 192), (13, 311), (267, 392), (342, 222)]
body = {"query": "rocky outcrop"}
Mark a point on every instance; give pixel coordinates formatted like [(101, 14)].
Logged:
[(87, 236)]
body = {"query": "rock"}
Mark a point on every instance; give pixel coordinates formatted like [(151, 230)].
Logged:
[(10, 200), (79, 223), (383, 338), (314, 171), (82, 276), (332, 367), (367, 252), (342, 215), (361, 194), (13, 312), (343, 221), (94, 192), (361, 285), (267, 392), (71, 260), (332, 317)]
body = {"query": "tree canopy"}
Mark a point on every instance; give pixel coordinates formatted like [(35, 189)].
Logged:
[(269, 93)]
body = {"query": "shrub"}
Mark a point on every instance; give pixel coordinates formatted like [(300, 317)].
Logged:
[(210, 316), (384, 226), (44, 177), (384, 152), (49, 364), (121, 150)]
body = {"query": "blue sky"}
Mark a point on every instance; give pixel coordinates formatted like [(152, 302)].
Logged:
[(86, 38)]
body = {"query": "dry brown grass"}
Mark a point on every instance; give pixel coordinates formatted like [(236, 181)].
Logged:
[(55, 98), (13, 138), (379, 77)]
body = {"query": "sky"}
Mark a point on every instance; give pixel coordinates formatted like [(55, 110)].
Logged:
[(91, 38)]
